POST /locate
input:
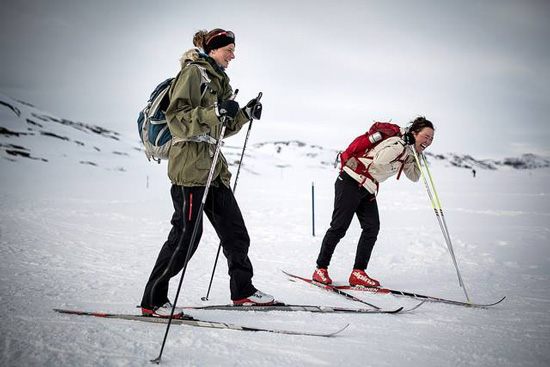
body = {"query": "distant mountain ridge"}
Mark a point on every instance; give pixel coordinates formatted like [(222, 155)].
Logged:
[(328, 156), (29, 133), (525, 161)]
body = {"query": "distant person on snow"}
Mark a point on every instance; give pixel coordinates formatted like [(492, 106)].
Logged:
[(355, 194), (199, 101)]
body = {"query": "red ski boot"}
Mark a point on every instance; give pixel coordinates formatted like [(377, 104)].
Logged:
[(321, 275), (359, 277)]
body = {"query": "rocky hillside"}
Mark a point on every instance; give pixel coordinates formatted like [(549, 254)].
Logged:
[(29, 133)]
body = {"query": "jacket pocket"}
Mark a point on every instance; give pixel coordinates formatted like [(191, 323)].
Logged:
[(203, 157), (203, 164)]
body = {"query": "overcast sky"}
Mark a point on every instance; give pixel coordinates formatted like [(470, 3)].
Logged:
[(478, 69)]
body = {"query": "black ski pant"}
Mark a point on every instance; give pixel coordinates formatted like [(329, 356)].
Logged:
[(222, 210), (351, 199)]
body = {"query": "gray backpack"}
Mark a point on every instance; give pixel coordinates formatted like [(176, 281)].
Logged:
[(152, 126)]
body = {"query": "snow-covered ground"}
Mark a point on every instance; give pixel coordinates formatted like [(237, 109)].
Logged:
[(81, 236)]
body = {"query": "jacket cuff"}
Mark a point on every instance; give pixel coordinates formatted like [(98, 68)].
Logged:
[(244, 113)]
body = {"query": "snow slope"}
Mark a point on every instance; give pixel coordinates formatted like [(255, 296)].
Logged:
[(83, 236)]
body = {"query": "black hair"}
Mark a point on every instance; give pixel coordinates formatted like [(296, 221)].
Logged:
[(419, 123)]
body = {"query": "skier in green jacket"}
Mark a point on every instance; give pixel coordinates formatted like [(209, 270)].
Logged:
[(200, 99)]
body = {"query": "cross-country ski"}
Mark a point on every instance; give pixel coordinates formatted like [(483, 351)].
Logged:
[(418, 296), (192, 321), (294, 308), (338, 289)]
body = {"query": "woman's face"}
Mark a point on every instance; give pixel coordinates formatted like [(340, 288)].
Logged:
[(223, 55), (423, 139)]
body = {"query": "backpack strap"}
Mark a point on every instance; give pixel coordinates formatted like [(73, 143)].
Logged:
[(202, 138), (363, 170), (205, 79), (402, 161)]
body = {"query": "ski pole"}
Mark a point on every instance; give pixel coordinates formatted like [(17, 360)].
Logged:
[(195, 231), (436, 197), (205, 298), (437, 210), (440, 218), (441, 221), (444, 224), (430, 196)]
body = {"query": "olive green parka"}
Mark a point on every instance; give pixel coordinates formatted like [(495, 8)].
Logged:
[(191, 113)]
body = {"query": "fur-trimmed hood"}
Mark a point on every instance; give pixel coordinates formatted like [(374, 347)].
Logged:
[(194, 55), (189, 56)]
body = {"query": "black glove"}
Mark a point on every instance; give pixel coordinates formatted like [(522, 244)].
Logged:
[(228, 108), (409, 139), (253, 109)]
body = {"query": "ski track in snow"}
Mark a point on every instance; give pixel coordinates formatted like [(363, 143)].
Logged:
[(86, 238)]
